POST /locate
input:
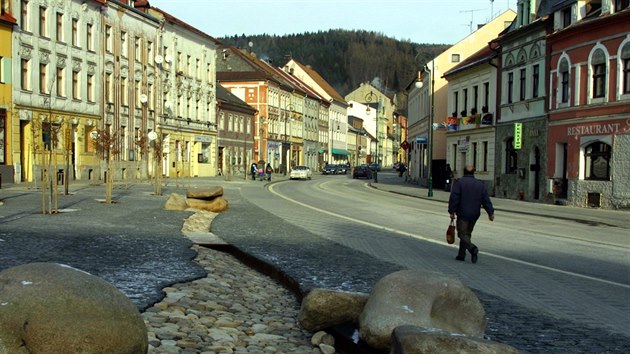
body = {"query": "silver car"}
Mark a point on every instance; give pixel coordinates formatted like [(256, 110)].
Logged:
[(301, 172)]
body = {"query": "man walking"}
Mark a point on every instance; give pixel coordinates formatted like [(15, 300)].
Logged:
[(467, 197)]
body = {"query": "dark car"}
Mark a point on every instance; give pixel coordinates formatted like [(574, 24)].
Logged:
[(342, 169), (330, 169), (375, 167), (362, 171)]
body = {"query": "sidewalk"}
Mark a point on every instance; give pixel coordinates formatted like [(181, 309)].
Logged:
[(591, 216)]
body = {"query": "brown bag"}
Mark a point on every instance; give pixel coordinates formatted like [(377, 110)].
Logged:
[(450, 232)]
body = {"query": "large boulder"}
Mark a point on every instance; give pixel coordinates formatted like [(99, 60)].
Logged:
[(176, 202), (52, 308), (208, 193), (215, 205), (323, 308), (430, 300), (416, 340)]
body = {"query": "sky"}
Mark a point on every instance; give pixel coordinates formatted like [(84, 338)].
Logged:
[(419, 21)]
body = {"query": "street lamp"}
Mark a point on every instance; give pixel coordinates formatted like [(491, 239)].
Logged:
[(287, 145), (430, 130), (371, 97)]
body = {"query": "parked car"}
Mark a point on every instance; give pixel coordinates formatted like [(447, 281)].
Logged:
[(301, 172), (342, 169), (375, 167), (362, 171), (330, 169)]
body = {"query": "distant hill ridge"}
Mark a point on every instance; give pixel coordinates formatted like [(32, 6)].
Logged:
[(345, 58)]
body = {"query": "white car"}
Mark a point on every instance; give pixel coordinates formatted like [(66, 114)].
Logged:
[(301, 172)]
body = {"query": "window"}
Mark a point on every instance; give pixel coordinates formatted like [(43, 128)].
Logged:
[(75, 33), (564, 81), (76, 85), (109, 88), (455, 58), (566, 17), (621, 4), (511, 157), (50, 135), (625, 71), (523, 84), (43, 22), (2, 68), (89, 140), (59, 32), (138, 49), (485, 156), (151, 96), (25, 71), (90, 88), (109, 44), (475, 98), (61, 88), (138, 93), (43, 78), (124, 94), (486, 95), (198, 69), (149, 52), (465, 94), (597, 161), (474, 153), (456, 101), (123, 44), (204, 156), (3, 145), (510, 87), (25, 16), (89, 37), (598, 64), (189, 66), (535, 80)]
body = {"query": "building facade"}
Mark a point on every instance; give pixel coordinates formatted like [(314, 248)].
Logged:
[(589, 107), (7, 23)]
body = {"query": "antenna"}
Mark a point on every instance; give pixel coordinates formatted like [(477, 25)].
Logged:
[(472, 13)]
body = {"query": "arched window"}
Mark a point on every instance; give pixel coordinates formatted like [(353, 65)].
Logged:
[(598, 66), (563, 73), (511, 157), (625, 69), (597, 161)]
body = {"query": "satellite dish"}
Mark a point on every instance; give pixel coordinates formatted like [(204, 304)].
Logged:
[(435, 126), (152, 135), (251, 44), (94, 134), (159, 59), (144, 98), (168, 58)]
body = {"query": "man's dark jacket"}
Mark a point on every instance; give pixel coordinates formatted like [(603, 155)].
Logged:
[(467, 197)]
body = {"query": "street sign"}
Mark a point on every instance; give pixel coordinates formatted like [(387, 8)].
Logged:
[(518, 135), (421, 139), (404, 145)]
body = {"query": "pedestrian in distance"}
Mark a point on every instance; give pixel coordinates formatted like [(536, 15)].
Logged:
[(268, 171), (449, 178), (254, 170), (467, 197)]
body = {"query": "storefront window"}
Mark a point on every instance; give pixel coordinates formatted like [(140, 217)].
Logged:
[(511, 157), (204, 156), (597, 164)]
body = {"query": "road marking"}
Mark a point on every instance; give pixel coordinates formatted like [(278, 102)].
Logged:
[(441, 243)]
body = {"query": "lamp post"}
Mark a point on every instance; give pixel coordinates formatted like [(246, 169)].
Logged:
[(371, 97), (430, 132), (287, 145)]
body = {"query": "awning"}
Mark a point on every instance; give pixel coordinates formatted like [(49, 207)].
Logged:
[(340, 152)]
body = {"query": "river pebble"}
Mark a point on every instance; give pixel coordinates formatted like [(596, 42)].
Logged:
[(233, 310)]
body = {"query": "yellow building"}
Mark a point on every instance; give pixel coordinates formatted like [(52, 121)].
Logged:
[(6, 29)]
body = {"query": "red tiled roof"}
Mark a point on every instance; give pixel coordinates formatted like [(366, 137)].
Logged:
[(321, 82)]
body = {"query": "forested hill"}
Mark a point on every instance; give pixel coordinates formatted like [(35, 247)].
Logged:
[(345, 58)]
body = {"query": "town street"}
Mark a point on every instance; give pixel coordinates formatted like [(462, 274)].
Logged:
[(576, 270)]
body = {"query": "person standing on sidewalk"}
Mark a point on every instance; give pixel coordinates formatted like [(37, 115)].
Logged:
[(467, 197), (268, 171), (254, 170)]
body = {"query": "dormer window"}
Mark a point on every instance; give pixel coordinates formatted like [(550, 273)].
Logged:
[(566, 17), (621, 4)]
